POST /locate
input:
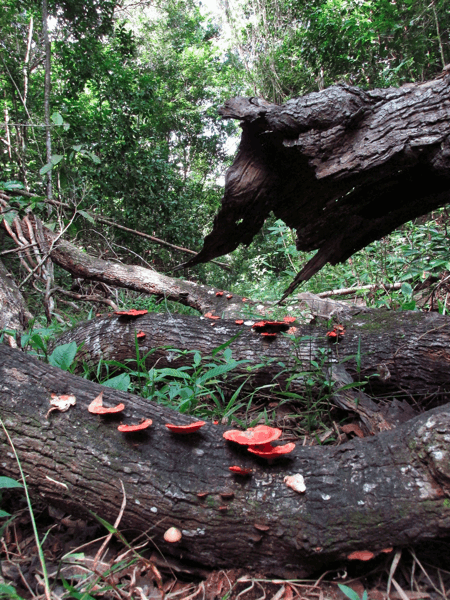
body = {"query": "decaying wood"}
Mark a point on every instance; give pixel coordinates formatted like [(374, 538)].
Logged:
[(80, 264), (100, 219), (342, 166), (370, 494), (412, 346)]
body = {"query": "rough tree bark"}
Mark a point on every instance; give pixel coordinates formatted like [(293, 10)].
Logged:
[(342, 166), (14, 314), (390, 489), (412, 348), (80, 264)]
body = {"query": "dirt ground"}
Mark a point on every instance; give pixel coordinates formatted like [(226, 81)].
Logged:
[(85, 561)]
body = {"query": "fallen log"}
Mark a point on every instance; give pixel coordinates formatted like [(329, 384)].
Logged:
[(388, 490), (410, 348), (343, 167)]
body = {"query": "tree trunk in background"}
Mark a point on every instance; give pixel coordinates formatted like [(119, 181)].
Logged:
[(13, 311), (410, 348), (370, 494)]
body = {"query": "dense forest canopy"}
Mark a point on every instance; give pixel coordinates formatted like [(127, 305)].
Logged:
[(134, 92)]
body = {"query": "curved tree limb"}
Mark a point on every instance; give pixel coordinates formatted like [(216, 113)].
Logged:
[(343, 167)]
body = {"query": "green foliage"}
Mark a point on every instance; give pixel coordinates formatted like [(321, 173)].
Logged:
[(8, 592), (295, 47), (351, 593), (6, 483), (63, 356)]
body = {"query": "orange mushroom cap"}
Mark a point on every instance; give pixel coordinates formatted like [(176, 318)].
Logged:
[(172, 535), (137, 427), (361, 555), (191, 428), (253, 436), (289, 319), (240, 470), (273, 451), (96, 407), (130, 313), (239, 321)]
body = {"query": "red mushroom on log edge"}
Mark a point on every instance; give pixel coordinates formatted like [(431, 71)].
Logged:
[(96, 407), (183, 429), (136, 427)]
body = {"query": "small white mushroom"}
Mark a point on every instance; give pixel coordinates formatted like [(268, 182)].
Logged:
[(172, 535), (296, 482)]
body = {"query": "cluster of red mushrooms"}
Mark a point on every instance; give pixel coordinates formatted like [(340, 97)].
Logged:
[(258, 440)]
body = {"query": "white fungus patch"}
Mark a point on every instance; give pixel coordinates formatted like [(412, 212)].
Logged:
[(296, 482), (368, 487), (154, 509)]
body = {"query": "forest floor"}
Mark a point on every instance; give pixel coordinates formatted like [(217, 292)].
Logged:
[(84, 561)]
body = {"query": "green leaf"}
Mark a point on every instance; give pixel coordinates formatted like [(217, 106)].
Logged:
[(9, 216), (225, 345), (7, 591), (406, 289), (74, 593), (216, 371), (77, 148), (94, 158), (121, 382), (7, 482), (87, 216), (45, 169), (168, 372), (57, 118), (55, 159), (63, 356), (12, 185), (348, 592)]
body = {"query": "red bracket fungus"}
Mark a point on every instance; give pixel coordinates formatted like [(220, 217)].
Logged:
[(239, 321), (337, 332), (270, 451), (270, 327), (240, 470), (253, 436), (172, 535), (289, 319), (229, 296), (219, 293), (361, 555), (183, 429), (209, 315), (96, 407), (130, 313), (138, 427), (140, 335)]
